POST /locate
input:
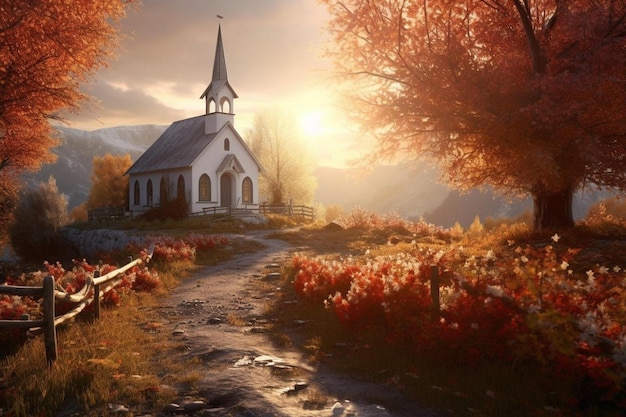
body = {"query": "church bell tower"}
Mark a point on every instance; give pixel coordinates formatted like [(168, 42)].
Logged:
[(219, 96)]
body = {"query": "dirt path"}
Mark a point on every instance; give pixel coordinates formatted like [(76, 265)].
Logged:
[(241, 372)]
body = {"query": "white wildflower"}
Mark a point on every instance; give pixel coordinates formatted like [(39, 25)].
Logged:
[(564, 265), (555, 238), (494, 290), (616, 269)]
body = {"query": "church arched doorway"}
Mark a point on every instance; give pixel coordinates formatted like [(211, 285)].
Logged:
[(226, 191)]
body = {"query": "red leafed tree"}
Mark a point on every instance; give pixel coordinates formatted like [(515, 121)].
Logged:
[(526, 95), (47, 50)]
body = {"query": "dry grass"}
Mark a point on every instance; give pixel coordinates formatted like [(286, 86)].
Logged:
[(106, 361)]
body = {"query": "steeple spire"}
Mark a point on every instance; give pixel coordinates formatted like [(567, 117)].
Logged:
[(219, 63), (219, 95)]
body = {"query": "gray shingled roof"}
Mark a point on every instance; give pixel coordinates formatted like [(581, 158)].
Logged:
[(177, 147)]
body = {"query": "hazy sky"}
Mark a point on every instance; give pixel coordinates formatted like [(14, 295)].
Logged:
[(273, 58)]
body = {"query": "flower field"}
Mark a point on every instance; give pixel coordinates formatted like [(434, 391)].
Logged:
[(525, 305)]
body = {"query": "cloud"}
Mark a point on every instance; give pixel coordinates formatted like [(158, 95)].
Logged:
[(114, 106), (165, 60)]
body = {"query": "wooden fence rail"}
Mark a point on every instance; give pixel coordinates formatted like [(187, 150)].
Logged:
[(50, 292), (301, 211), (105, 213)]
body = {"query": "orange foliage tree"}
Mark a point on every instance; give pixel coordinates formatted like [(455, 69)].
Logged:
[(527, 96), (109, 185), (47, 49)]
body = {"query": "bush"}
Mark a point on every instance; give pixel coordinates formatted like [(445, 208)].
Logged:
[(176, 210), (39, 214)]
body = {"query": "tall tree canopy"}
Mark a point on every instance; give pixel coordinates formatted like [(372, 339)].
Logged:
[(526, 95), (109, 185), (47, 50), (287, 166)]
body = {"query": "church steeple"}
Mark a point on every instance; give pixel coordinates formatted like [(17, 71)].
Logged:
[(219, 95), (219, 62)]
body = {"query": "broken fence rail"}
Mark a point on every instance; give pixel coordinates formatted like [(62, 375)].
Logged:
[(92, 292)]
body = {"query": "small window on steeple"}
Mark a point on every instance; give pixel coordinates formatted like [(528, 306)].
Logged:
[(226, 144)]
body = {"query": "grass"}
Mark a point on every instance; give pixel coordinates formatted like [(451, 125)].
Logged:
[(106, 361)]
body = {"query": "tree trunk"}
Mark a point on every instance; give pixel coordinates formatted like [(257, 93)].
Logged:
[(553, 209)]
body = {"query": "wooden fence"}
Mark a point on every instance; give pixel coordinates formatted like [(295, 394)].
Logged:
[(298, 211), (105, 213), (111, 213), (92, 292)]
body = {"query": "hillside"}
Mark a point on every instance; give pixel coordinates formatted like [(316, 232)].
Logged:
[(407, 191), (77, 149)]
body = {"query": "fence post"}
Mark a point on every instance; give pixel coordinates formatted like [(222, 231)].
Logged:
[(96, 297), (434, 291), (49, 328)]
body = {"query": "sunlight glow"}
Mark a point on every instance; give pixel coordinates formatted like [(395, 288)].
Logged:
[(311, 124)]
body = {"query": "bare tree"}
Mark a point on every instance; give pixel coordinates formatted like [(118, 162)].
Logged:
[(287, 165)]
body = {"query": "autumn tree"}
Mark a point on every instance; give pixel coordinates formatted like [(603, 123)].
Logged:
[(41, 211), (47, 50), (109, 185), (281, 150), (527, 96)]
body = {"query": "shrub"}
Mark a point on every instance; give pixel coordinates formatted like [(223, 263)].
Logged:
[(176, 210), (40, 213)]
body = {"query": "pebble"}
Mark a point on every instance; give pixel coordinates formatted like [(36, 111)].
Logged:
[(338, 409), (273, 276), (299, 386), (194, 406), (172, 408), (118, 408)]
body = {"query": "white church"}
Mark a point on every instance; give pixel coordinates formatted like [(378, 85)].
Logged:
[(202, 159)]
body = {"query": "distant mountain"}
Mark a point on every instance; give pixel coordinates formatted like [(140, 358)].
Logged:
[(403, 189), (413, 193), (77, 149)]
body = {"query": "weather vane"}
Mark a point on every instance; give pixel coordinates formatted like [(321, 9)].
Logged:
[(220, 16)]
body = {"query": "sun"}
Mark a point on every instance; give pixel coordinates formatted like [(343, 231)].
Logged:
[(311, 123)]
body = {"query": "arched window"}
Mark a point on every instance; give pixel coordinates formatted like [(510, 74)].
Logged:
[(226, 144), (204, 188), (136, 195), (246, 191), (180, 188), (163, 194), (211, 106), (225, 106), (149, 193)]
